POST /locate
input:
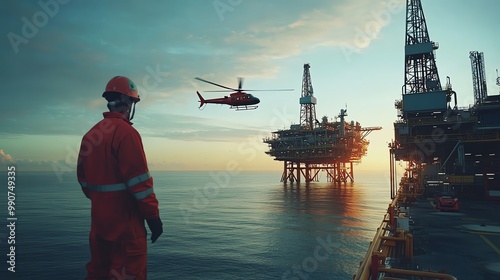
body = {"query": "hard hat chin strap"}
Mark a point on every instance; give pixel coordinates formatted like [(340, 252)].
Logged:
[(130, 117), (123, 105)]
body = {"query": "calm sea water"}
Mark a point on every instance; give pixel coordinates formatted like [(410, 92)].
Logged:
[(217, 225)]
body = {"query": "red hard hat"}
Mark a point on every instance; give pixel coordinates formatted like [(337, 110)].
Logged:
[(122, 85)]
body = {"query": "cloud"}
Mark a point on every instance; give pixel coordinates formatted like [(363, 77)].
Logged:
[(72, 120), (63, 119), (335, 24), (54, 83), (189, 128), (60, 168), (207, 134), (4, 157)]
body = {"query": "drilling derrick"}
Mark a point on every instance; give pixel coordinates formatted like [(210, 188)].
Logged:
[(421, 70), (307, 101), (312, 146), (423, 101), (478, 77)]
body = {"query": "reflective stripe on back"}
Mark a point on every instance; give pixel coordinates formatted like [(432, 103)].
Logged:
[(83, 184), (108, 188)]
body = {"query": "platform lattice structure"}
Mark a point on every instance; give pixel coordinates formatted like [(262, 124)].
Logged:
[(421, 70), (310, 147)]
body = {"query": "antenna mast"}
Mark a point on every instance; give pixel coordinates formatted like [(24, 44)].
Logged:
[(478, 76)]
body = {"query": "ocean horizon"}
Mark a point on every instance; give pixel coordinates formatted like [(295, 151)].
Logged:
[(217, 225)]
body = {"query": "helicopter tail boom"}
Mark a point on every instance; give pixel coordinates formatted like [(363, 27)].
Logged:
[(202, 101)]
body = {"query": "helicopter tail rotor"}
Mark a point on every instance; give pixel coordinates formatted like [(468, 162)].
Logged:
[(202, 101)]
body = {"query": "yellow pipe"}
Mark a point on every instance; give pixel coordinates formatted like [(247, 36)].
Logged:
[(364, 268), (393, 238), (417, 273)]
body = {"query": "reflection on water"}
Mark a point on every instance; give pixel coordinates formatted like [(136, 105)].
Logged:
[(321, 200)]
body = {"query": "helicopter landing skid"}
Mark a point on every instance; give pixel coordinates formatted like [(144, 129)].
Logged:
[(243, 107)]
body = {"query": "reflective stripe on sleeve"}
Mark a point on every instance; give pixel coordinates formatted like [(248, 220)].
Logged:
[(122, 186), (138, 179), (143, 194), (108, 188)]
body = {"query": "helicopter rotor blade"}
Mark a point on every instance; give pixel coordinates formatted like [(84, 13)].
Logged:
[(244, 90), (289, 89), (219, 90), (212, 83), (240, 83)]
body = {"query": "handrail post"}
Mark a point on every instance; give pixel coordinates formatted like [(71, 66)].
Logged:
[(409, 247), (391, 216), (374, 266)]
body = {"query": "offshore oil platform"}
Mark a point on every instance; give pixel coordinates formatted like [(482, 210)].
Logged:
[(312, 146), (445, 147)]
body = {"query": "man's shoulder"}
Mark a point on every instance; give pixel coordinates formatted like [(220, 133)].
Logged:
[(112, 126), (123, 128)]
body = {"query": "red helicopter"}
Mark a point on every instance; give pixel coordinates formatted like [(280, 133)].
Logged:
[(238, 100)]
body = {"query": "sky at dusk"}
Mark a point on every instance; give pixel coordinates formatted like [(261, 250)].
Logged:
[(58, 55)]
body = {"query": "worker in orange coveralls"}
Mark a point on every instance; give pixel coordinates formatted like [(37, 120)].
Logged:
[(113, 173)]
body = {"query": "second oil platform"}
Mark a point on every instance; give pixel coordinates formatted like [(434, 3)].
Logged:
[(313, 146)]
